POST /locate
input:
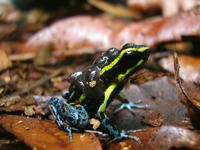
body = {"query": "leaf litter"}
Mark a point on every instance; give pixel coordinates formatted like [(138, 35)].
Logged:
[(171, 118)]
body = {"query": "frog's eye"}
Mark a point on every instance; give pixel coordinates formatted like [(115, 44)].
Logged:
[(129, 52), (111, 50), (128, 45)]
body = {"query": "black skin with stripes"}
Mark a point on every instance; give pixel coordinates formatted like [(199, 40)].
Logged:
[(92, 90)]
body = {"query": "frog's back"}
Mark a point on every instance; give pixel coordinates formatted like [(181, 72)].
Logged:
[(106, 58)]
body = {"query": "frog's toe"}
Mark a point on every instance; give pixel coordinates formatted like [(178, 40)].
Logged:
[(69, 132), (96, 132), (130, 106), (132, 137), (124, 134)]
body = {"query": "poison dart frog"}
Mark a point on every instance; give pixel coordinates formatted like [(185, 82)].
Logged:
[(94, 88)]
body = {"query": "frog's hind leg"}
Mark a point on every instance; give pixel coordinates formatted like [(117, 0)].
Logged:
[(69, 130), (96, 132), (55, 108), (113, 131), (55, 105), (127, 104)]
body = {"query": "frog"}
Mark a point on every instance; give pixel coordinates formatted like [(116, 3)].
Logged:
[(94, 88)]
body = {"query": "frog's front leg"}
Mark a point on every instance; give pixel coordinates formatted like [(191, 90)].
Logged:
[(126, 104), (67, 95)]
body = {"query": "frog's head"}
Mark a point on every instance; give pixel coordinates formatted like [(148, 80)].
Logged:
[(133, 56), (68, 114), (138, 52)]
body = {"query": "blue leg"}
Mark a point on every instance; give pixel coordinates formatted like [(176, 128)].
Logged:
[(68, 95), (127, 104), (96, 132), (68, 117), (56, 107), (113, 131)]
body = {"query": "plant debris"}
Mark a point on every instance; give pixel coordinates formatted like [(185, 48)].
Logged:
[(43, 42)]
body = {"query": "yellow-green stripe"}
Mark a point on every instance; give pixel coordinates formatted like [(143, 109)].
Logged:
[(117, 59), (121, 77), (107, 94)]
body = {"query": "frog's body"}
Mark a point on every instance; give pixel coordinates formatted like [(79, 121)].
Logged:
[(94, 88)]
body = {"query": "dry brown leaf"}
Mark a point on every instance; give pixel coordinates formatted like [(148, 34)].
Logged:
[(163, 102), (95, 123), (15, 103), (86, 34), (76, 32), (156, 30), (4, 61), (44, 135), (163, 138), (154, 119), (115, 10), (9, 14), (168, 7), (6, 30), (189, 67)]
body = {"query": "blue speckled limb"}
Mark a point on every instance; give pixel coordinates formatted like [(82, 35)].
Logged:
[(126, 104), (113, 131), (68, 117)]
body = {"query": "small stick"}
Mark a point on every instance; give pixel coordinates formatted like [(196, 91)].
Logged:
[(177, 76), (39, 82)]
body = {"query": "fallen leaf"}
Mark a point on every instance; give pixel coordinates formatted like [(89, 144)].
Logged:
[(8, 101), (154, 119), (159, 96), (6, 30), (189, 67), (43, 55), (9, 14), (21, 52), (4, 61), (115, 10), (155, 30), (66, 34), (169, 7), (30, 110), (193, 102), (15, 103), (163, 138), (86, 34), (95, 123), (44, 135)]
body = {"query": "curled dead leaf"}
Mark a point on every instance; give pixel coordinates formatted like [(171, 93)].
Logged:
[(4, 61), (95, 123), (86, 34), (169, 7), (163, 138), (189, 67), (29, 110)]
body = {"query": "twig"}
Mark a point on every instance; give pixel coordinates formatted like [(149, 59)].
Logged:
[(39, 82), (177, 76)]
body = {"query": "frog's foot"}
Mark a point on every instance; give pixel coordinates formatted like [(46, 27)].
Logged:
[(123, 134), (96, 132), (67, 95), (130, 105), (113, 131), (69, 130), (69, 133)]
